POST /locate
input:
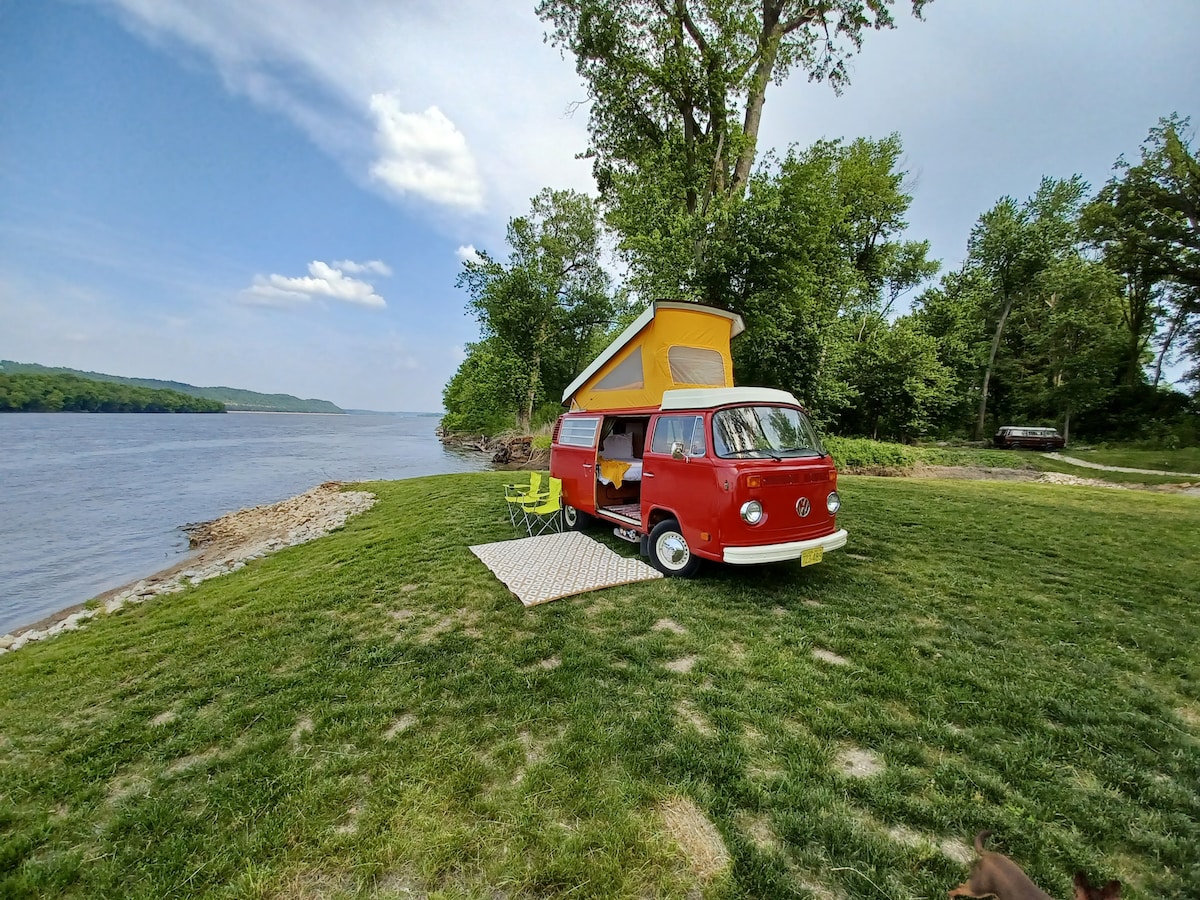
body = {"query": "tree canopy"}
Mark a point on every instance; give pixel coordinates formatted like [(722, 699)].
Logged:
[(676, 91)]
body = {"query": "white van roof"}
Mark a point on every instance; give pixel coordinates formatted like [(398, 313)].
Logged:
[(707, 398)]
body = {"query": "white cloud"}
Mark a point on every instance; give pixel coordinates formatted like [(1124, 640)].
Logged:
[(356, 268), (467, 253), (445, 104), (424, 154), (458, 353), (323, 280)]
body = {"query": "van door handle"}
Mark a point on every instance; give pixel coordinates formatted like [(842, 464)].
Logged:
[(587, 465), (647, 474)]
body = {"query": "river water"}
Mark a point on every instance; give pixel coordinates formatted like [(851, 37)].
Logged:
[(90, 502)]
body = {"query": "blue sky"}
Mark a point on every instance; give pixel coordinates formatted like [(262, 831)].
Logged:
[(277, 196)]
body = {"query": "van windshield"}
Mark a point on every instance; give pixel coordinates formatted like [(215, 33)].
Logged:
[(764, 431)]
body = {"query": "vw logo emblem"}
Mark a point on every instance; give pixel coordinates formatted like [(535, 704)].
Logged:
[(803, 507)]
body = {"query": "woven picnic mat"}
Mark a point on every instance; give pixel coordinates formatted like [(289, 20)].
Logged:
[(552, 566)]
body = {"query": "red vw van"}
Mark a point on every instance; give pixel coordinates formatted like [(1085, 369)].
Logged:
[(732, 474)]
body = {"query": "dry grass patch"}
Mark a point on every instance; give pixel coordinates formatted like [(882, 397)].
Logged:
[(303, 727), (405, 722), (349, 823), (757, 827), (806, 881), (668, 625), (681, 666), (1190, 715), (855, 762), (316, 884), (123, 787), (696, 836), (956, 850), (191, 761), (690, 715), (830, 657), (550, 663), (164, 718)]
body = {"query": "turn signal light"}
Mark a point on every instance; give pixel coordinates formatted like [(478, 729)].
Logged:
[(754, 481)]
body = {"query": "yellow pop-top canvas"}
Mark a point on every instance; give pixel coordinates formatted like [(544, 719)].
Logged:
[(671, 345)]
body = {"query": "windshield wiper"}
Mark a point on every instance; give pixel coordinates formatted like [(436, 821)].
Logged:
[(733, 453)]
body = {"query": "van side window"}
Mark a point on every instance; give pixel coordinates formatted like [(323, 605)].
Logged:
[(579, 432), (688, 430)]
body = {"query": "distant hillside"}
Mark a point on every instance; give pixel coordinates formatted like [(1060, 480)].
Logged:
[(234, 398)]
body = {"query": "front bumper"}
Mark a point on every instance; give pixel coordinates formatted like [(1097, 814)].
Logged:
[(768, 553)]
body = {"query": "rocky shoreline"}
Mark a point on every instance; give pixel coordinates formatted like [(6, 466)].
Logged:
[(506, 450), (221, 546)]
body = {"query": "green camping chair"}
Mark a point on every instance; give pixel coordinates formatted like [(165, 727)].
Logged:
[(517, 494), (544, 512)]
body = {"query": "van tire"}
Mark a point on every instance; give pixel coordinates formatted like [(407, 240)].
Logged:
[(574, 520), (669, 551)]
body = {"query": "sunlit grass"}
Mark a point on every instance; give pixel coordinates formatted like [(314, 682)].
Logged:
[(374, 715)]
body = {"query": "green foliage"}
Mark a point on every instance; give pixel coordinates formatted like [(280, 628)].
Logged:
[(486, 391), (676, 95), (71, 393), (374, 714), (230, 398), (813, 263), (539, 312), (862, 453)]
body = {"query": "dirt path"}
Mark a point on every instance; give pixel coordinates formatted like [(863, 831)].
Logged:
[(1076, 461)]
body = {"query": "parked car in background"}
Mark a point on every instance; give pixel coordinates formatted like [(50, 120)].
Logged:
[(1028, 437)]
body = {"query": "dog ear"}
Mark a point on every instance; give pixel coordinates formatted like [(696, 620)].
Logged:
[(1085, 891)]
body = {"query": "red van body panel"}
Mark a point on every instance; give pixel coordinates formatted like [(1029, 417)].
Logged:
[(704, 493)]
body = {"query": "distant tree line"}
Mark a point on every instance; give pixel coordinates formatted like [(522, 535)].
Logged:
[(71, 393), (1067, 310), (230, 398)]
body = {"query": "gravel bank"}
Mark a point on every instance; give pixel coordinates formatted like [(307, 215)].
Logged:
[(222, 545)]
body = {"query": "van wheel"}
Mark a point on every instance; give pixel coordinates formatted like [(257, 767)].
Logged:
[(669, 551), (575, 520)]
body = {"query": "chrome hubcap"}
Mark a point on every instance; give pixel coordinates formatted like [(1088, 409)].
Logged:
[(673, 551)]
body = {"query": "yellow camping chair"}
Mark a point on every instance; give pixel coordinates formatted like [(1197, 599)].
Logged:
[(517, 494), (544, 512)]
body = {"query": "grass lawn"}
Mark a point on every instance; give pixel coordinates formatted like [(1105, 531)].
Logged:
[(1184, 460), (374, 715)]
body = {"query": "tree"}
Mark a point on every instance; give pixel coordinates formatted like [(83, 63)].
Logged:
[(1077, 335), (1011, 245), (903, 387), (813, 263), (1146, 221), (676, 91), (544, 305)]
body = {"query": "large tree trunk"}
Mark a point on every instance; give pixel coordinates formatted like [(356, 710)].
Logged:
[(525, 420), (1067, 426), (987, 374), (1176, 322)]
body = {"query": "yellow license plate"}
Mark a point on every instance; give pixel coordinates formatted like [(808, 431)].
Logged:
[(812, 557)]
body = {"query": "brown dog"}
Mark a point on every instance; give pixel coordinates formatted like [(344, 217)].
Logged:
[(996, 875)]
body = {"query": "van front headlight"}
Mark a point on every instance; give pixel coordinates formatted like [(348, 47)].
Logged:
[(752, 512), (833, 502)]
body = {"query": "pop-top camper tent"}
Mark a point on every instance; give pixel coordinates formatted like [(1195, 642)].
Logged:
[(670, 345)]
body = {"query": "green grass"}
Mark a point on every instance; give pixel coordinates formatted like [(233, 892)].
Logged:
[(1184, 460), (880, 457), (374, 715)]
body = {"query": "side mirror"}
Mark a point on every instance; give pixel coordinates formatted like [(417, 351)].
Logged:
[(677, 450)]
